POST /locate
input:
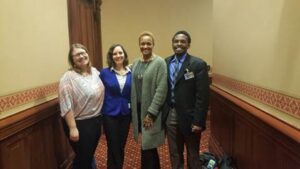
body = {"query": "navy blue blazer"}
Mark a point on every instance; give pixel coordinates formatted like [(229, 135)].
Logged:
[(115, 103)]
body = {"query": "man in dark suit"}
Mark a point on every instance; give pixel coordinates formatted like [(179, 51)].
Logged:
[(187, 102)]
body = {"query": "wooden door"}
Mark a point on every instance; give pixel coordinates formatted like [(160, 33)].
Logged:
[(85, 27)]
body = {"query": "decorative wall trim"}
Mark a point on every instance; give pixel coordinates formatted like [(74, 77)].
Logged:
[(251, 136), (274, 99), (283, 127), (26, 96)]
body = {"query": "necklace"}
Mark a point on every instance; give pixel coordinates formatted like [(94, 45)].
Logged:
[(141, 68), (148, 59)]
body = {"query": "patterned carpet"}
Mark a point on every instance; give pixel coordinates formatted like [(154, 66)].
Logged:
[(132, 152)]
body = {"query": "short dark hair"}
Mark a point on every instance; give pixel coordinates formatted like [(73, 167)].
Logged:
[(110, 61), (146, 33), (184, 33)]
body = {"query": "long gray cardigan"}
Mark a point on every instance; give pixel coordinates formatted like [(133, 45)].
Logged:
[(154, 92)]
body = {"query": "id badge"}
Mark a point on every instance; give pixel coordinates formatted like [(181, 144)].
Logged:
[(188, 75)]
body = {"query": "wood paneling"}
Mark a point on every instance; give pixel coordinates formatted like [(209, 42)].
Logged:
[(34, 139), (242, 142), (254, 139), (85, 27)]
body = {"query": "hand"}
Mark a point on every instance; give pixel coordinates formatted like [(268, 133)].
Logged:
[(196, 129), (74, 134), (148, 122)]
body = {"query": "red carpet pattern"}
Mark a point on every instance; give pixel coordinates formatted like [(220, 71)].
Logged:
[(132, 152)]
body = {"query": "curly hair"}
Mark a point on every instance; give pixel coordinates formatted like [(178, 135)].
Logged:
[(184, 33)]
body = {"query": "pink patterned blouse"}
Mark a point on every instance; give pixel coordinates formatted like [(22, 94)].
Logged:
[(81, 94)]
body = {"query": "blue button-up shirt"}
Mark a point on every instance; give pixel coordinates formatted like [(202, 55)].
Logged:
[(173, 63)]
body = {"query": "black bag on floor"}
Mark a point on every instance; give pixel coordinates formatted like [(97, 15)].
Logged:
[(208, 160), (226, 162)]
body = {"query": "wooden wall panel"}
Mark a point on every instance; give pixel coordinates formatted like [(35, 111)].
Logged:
[(63, 150), (41, 142), (37, 140), (222, 126), (264, 151), (85, 27), (252, 142), (13, 152), (242, 143)]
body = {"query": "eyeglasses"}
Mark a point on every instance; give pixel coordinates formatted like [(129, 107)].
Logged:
[(83, 53)]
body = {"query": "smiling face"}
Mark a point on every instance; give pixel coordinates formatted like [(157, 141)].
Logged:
[(146, 45), (80, 58), (118, 56), (180, 44)]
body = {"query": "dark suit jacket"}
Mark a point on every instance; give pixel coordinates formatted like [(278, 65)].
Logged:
[(191, 94)]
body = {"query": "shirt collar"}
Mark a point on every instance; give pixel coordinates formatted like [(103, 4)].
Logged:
[(180, 59), (127, 69)]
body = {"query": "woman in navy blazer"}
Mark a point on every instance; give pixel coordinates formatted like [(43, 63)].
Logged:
[(116, 107)]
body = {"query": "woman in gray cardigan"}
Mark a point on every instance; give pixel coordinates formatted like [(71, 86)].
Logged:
[(148, 93)]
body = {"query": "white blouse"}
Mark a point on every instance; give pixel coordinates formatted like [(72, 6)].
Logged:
[(121, 77), (83, 95)]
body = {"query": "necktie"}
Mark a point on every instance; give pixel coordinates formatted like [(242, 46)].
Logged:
[(173, 79)]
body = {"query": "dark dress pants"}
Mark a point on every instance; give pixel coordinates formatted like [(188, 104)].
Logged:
[(116, 131), (84, 149), (176, 141), (150, 159)]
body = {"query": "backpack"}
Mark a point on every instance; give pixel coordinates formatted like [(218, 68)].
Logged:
[(208, 160), (226, 162)]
